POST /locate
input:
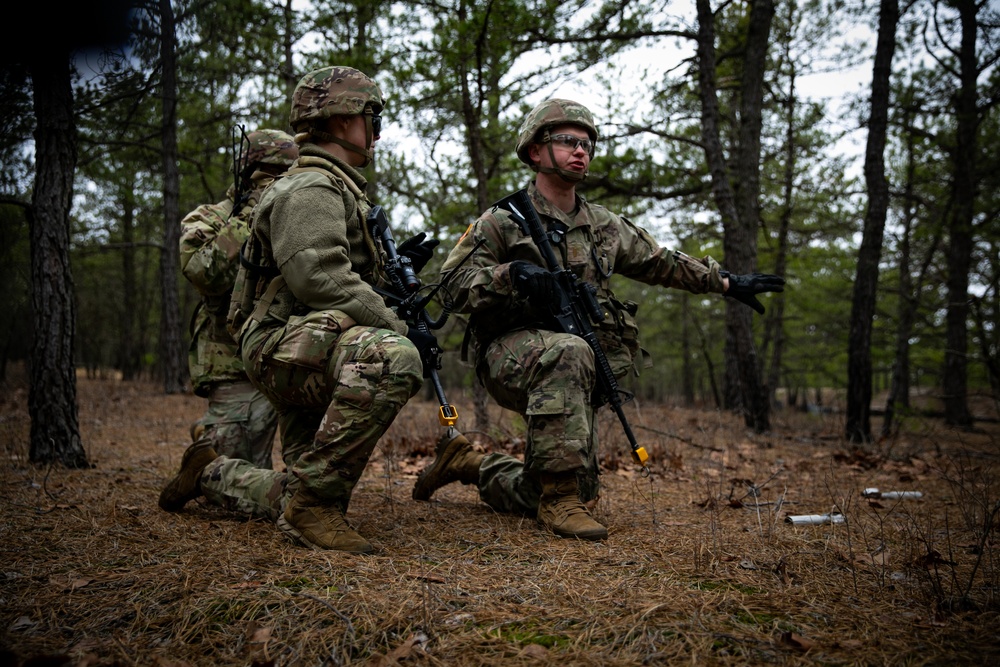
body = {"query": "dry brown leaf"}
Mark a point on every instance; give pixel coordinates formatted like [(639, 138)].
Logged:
[(781, 569), (879, 558), (796, 640), (159, 661), (69, 584), (401, 652), (933, 559), (247, 584), (258, 634), (86, 646), (535, 651)]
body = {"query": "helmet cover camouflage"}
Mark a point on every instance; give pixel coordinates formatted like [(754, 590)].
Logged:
[(549, 114), (268, 147), (333, 91)]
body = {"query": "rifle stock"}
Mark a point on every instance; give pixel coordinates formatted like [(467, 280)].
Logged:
[(574, 310)]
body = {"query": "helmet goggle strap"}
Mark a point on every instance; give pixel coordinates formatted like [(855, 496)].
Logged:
[(565, 174)]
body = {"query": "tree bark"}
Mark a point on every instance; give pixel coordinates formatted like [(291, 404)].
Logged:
[(55, 430), (687, 372), (859, 364), (739, 205), (774, 335), (172, 354), (128, 354), (959, 252), (899, 384)]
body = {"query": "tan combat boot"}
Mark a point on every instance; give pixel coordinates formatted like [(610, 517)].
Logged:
[(454, 461), (319, 524), (186, 484), (561, 511), (197, 430)]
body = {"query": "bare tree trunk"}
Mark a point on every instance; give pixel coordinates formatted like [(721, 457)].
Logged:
[(983, 332), (172, 353), (55, 429), (738, 205), (775, 325), (709, 366), (687, 372), (959, 252), (859, 364), (899, 385), (774, 335), (128, 359)]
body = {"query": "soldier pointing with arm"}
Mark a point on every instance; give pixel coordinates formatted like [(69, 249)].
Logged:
[(531, 366)]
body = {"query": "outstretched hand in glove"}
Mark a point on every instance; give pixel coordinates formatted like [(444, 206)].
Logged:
[(419, 249), (745, 288)]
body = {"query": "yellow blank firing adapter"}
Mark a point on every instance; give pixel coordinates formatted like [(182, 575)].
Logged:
[(640, 456), (447, 415)]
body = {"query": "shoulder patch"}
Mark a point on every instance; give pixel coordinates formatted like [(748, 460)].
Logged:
[(465, 233)]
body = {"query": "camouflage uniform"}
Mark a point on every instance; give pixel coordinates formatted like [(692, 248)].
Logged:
[(501, 279), (239, 420), (546, 376), (321, 343)]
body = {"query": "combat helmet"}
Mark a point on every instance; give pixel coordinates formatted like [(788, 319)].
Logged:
[(337, 91), (269, 147), (261, 155), (545, 116)]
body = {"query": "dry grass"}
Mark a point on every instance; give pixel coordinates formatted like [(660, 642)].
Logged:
[(700, 567)]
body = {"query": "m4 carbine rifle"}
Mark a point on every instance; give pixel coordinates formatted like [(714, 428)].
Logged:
[(573, 309), (411, 305)]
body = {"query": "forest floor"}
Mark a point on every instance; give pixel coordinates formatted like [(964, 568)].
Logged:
[(701, 566)]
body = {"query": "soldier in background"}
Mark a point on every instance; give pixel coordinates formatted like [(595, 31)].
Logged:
[(525, 362), (239, 422), (315, 336)]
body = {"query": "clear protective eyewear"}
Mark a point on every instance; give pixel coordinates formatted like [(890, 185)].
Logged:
[(572, 143)]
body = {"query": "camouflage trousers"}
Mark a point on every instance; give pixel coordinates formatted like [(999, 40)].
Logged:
[(240, 422), (547, 378), (336, 392)]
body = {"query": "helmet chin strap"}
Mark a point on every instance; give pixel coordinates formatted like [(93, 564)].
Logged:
[(368, 155)]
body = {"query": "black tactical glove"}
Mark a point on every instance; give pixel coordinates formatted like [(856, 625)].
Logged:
[(534, 283), (419, 249), (744, 288), (427, 346)]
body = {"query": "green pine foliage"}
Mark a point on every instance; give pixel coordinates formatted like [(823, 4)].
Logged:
[(459, 76)]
